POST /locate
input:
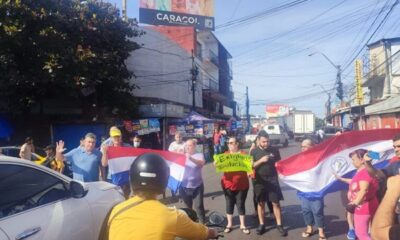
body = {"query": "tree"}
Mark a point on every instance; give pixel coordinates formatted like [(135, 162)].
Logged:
[(65, 49)]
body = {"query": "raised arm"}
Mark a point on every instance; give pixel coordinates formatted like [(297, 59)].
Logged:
[(373, 172), (60, 150), (197, 161), (260, 161)]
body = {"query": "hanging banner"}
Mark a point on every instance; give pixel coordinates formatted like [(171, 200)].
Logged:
[(233, 162), (196, 13)]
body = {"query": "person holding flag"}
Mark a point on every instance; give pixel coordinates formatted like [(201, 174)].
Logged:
[(191, 189), (362, 195), (394, 164), (312, 207), (115, 140), (235, 186)]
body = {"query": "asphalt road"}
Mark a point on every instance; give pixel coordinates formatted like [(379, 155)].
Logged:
[(336, 225)]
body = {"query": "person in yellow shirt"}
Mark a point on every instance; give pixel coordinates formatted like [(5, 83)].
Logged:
[(143, 216)]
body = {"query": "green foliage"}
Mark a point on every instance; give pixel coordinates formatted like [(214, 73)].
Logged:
[(64, 49), (319, 123)]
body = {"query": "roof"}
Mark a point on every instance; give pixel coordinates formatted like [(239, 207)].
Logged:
[(381, 41)]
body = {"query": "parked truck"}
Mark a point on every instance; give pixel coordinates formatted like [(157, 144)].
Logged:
[(303, 123)]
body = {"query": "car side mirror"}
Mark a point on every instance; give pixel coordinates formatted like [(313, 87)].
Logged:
[(77, 190)]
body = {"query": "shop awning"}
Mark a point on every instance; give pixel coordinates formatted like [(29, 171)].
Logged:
[(390, 105)]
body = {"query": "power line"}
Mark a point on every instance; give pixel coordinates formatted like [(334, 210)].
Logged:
[(372, 35)]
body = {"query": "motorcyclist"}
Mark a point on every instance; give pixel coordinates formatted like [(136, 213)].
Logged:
[(143, 216)]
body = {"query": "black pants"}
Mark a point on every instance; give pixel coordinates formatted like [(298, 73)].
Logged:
[(235, 197), (193, 198)]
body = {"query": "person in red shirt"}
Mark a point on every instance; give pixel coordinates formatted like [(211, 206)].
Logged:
[(217, 141), (235, 186)]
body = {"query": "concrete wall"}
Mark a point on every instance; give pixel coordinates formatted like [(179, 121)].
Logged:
[(162, 68)]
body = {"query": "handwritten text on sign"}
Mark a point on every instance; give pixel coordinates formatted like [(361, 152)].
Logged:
[(233, 162)]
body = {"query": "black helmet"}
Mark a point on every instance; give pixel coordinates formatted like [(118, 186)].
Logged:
[(150, 173)]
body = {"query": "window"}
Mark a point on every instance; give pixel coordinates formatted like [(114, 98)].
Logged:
[(23, 188)]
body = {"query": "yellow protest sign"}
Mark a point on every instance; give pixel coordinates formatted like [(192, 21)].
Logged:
[(233, 162)]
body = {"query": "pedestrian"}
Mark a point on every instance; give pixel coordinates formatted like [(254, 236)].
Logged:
[(137, 141), (115, 140), (383, 225), (177, 146), (252, 176), (363, 201), (392, 169), (222, 141), (192, 188), (312, 207), (127, 131), (85, 161), (217, 141), (27, 149), (235, 186), (50, 159), (266, 184)]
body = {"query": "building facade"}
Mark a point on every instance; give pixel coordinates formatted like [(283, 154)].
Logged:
[(382, 78)]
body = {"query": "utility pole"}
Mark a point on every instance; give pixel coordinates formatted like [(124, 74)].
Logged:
[(339, 89), (194, 72), (247, 110), (327, 104), (124, 15)]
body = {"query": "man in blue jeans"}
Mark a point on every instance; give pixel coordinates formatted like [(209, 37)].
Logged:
[(312, 208)]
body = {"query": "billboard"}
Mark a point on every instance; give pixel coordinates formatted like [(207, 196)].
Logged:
[(196, 13), (277, 110)]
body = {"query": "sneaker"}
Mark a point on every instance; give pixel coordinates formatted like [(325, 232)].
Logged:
[(281, 230), (351, 234), (260, 230)]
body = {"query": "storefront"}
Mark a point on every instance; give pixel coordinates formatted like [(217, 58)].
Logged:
[(196, 126)]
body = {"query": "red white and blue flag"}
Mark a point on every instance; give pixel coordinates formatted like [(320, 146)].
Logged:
[(311, 172), (121, 158)]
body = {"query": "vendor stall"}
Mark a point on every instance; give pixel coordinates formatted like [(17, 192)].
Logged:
[(196, 126)]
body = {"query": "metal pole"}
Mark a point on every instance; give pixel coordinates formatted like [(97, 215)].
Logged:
[(124, 15), (194, 71), (247, 110)]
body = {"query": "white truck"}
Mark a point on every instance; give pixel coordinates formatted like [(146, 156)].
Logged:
[(303, 124)]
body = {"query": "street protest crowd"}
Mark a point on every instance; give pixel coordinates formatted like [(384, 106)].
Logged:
[(371, 211)]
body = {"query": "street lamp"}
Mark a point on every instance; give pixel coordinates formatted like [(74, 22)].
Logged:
[(339, 89), (328, 102)]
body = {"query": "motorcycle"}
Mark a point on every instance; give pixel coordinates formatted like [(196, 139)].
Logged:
[(215, 220)]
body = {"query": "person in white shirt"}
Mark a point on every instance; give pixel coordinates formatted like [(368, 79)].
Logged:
[(177, 146), (27, 149)]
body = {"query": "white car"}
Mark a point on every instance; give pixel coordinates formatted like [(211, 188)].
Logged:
[(277, 134), (38, 203)]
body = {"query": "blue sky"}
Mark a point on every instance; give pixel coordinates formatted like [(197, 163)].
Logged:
[(270, 53)]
